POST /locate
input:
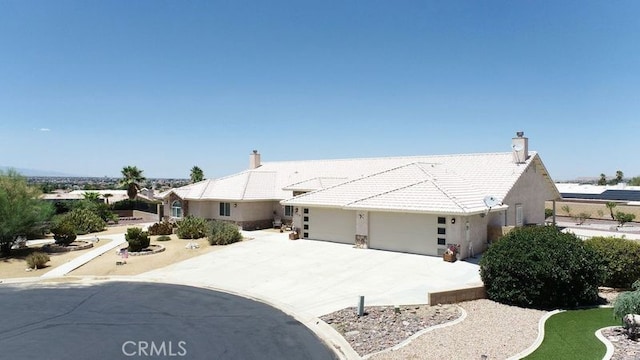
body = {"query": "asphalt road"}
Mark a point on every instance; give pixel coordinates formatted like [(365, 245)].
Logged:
[(128, 320)]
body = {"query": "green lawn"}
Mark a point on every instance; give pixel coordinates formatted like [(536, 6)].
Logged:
[(571, 335)]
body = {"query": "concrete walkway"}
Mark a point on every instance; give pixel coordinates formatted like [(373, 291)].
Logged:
[(116, 240)]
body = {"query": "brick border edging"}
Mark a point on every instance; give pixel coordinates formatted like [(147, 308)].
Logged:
[(59, 249)]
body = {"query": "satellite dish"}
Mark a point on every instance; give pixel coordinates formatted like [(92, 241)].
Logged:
[(517, 147), (491, 201)]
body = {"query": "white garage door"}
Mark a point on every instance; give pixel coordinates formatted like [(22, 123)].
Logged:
[(411, 233), (331, 225)]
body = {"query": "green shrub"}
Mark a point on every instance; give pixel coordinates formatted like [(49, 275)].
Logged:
[(541, 267), (161, 228), (137, 239), (548, 213), (37, 260), (627, 302), (192, 227), (63, 232), (222, 233), (623, 218), (621, 259), (84, 221), (163, 238)]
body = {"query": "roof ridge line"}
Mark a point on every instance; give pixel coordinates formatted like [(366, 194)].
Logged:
[(442, 190)]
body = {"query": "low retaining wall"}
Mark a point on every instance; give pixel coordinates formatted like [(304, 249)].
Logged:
[(457, 295)]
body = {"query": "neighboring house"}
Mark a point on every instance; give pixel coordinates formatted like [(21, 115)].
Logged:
[(416, 204), (115, 195), (591, 200)]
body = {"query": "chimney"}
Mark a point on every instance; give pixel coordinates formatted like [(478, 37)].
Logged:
[(254, 160), (520, 147)]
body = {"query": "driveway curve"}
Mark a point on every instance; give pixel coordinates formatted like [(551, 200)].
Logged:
[(124, 320)]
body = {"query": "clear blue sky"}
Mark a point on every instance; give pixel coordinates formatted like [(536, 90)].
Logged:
[(87, 87)]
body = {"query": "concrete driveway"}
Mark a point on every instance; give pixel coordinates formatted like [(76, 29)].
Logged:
[(316, 277)]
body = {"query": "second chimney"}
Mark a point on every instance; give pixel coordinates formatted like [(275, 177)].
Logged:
[(254, 159), (520, 147)]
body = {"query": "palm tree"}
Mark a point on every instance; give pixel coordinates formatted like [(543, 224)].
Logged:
[(619, 176), (610, 205), (91, 195), (131, 176), (196, 174), (106, 197), (602, 180)]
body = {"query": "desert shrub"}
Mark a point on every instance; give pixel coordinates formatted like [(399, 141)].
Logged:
[(548, 213), (137, 239), (541, 267), (163, 238), (192, 227), (102, 210), (84, 221), (161, 228), (64, 232), (222, 233), (37, 260), (621, 259), (623, 218), (627, 302)]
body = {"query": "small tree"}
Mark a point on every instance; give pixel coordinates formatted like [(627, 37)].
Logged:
[(611, 205), (21, 210), (634, 181), (582, 217), (621, 259), (566, 209), (627, 302), (548, 213), (137, 239), (623, 218), (619, 176)]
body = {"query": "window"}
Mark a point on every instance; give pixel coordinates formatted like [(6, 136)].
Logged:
[(225, 209), (442, 241), (305, 235), (306, 218), (288, 210), (442, 231), (176, 209), (306, 211), (442, 220), (306, 226)]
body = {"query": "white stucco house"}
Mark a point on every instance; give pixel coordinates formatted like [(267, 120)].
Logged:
[(415, 204)]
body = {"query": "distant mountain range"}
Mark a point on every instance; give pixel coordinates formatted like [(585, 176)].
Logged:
[(34, 172)]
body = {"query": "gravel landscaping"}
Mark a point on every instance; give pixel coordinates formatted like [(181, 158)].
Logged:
[(490, 329), (625, 348)]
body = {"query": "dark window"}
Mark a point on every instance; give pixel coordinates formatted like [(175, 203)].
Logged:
[(306, 218), (306, 226), (306, 211), (305, 235), (442, 231), (442, 220), (225, 209), (442, 241), (288, 210)]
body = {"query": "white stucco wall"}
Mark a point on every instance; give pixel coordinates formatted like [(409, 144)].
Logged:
[(531, 190)]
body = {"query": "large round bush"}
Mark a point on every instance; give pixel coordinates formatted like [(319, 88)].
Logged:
[(541, 267), (137, 239), (621, 259), (64, 232)]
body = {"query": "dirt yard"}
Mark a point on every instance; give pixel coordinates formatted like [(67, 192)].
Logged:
[(104, 265)]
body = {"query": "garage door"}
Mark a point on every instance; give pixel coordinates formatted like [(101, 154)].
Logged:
[(411, 233), (331, 225)]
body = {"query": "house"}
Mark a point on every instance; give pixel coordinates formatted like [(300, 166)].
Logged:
[(592, 199), (416, 204)]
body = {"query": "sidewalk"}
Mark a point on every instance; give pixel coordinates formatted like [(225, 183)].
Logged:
[(117, 240)]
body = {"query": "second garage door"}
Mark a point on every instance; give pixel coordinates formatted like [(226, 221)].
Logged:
[(411, 233), (331, 225)]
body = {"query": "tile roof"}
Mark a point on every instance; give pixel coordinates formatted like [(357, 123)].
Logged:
[(455, 183)]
